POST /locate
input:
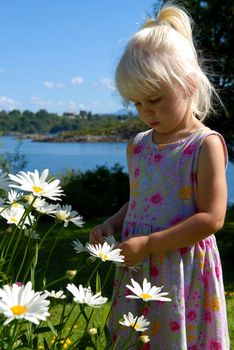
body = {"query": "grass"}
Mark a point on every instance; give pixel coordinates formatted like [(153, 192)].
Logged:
[(75, 326), (64, 258)]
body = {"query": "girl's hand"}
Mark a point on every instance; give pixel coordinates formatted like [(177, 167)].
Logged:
[(135, 249), (99, 232)]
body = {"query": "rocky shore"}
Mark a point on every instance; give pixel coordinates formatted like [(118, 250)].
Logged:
[(74, 138)]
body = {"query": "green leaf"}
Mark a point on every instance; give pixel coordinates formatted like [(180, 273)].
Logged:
[(98, 283)]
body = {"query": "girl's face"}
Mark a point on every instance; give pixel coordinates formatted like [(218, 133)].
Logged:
[(166, 111)]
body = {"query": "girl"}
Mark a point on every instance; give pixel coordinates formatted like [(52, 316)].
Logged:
[(178, 191)]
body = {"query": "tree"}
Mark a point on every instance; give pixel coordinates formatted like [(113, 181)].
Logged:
[(214, 36)]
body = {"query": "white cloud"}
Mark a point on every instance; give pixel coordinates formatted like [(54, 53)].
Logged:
[(39, 102), (48, 84), (106, 83), (8, 103), (60, 85), (51, 85), (72, 106), (77, 80)]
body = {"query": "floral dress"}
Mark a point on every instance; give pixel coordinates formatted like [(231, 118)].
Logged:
[(162, 193)]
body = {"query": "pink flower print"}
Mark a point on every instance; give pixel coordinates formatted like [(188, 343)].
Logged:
[(215, 345), (114, 337), (175, 326), (192, 315), (205, 281), (156, 199), (217, 271), (176, 220), (157, 157), (208, 243), (126, 233), (137, 149), (201, 244), (137, 172), (133, 205), (145, 311), (19, 284), (207, 316), (146, 346), (184, 250), (192, 347), (154, 271), (189, 149)]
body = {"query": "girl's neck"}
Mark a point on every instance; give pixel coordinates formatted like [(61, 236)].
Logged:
[(181, 132)]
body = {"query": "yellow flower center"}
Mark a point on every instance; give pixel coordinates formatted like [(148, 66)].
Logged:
[(18, 309), (13, 219), (61, 216), (145, 296), (37, 189), (135, 325), (15, 205), (103, 256)]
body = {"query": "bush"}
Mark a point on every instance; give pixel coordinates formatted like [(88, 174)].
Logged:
[(99, 192)]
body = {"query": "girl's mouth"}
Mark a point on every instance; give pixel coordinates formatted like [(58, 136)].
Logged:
[(154, 124)]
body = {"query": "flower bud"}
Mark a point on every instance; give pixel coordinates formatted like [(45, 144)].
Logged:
[(92, 331), (144, 339), (70, 274)]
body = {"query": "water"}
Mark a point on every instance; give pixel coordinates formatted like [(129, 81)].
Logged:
[(58, 157)]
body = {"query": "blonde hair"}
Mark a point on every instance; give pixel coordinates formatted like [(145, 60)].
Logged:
[(163, 52)]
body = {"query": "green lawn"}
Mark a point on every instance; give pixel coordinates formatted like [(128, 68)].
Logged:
[(64, 258)]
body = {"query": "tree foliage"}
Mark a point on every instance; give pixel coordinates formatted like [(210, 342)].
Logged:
[(97, 191), (213, 34), (84, 123)]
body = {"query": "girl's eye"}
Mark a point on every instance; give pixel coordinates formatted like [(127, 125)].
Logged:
[(137, 104), (156, 100)]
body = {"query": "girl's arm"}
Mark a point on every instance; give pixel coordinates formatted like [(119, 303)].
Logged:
[(111, 226), (211, 209)]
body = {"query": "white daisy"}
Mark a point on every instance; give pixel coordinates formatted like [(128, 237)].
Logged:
[(56, 295), (41, 205), (105, 252), (22, 302), (78, 246), (138, 323), (146, 293), (37, 185), (66, 214), (4, 181), (13, 215), (85, 296)]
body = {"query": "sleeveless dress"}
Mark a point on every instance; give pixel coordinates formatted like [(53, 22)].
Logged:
[(162, 193)]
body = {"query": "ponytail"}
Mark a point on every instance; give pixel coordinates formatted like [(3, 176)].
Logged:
[(177, 19), (163, 52)]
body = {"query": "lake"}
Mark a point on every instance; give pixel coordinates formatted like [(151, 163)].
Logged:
[(58, 157)]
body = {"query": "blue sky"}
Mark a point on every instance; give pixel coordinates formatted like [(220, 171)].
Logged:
[(60, 55)]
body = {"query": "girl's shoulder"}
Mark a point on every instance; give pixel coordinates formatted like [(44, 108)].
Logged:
[(214, 143)]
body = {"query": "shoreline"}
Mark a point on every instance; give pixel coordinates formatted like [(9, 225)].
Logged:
[(64, 139)]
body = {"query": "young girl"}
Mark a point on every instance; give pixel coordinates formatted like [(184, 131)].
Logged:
[(178, 191)]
